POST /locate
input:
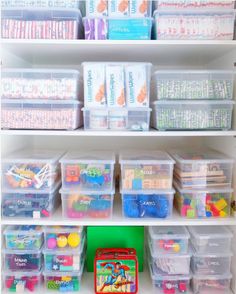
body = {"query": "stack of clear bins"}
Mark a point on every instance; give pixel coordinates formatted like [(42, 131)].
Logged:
[(31, 183), (146, 184), (116, 96), (211, 259), (41, 99), (87, 184), (192, 100), (64, 256), (169, 259), (22, 258), (203, 181)]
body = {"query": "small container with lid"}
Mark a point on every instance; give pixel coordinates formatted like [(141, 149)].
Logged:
[(170, 264), (63, 237), (211, 239), (163, 284), (23, 237), (91, 170), (146, 170), (168, 240)]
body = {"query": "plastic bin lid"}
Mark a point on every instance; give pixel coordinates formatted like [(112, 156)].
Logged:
[(33, 156), (192, 102), (89, 157), (209, 254), (200, 156), (66, 251), (145, 157), (192, 11), (212, 277), (172, 232), (121, 110), (49, 102), (40, 70), (23, 230), (63, 229), (125, 63), (21, 251), (184, 71), (88, 192), (168, 255), (201, 190), (147, 192), (160, 276), (51, 190), (19, 274), (210, 232)]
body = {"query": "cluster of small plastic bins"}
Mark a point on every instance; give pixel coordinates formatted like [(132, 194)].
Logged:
[(169, 259), (87, 184), (30, 183), (211, 259), (22, 258), (194, 20), (118, 20), (41, 99), (203, 180), (116, 96), (192, 100), (41, 20), (146, 184), (64, 255)]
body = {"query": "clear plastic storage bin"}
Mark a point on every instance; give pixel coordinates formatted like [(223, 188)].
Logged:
[(192, 84), (192, 203), (87, 204), (211, 239), (192, 4), (63, 237), (30, 83), (192, 115), (31, 169), (22, 260), (148, 204), (217, 284), (23, 237), (30, 204), (170, 264), (170, 239), (40, 4), (116, 84), (22, 282), (91, 170), (41, 114), (41, 23), (146, 170), (119, 119), (202, 168), (170, 283), (211, 263), (63, 260), (63, 281), (117, 28), (194, 25)]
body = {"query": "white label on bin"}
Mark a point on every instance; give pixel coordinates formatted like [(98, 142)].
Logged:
[(36, 214)]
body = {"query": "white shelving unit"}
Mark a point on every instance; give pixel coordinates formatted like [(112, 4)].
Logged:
[(163, 54)]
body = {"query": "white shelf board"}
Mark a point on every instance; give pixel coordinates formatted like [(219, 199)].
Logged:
[(161, 52), (151, 133)]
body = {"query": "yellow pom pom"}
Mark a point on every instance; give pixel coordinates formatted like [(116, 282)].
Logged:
[(61, 241), (176, 247), (73, 239)]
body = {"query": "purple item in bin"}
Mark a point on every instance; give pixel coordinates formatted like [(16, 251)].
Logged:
[(95, 29)]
